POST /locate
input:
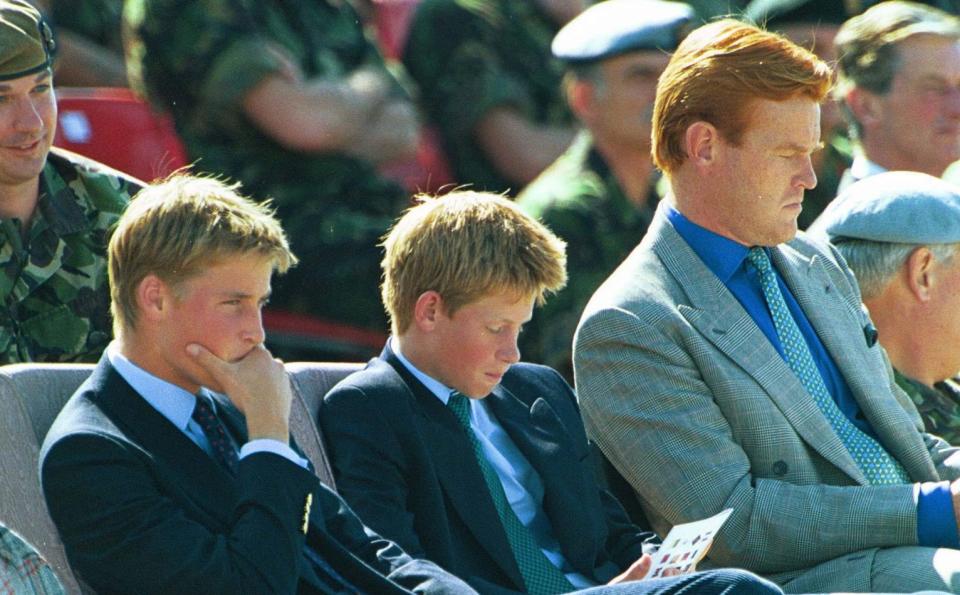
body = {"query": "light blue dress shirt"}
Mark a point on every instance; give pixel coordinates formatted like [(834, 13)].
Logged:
[(936, 524), (864, 168), (520, 480), (176, 405)]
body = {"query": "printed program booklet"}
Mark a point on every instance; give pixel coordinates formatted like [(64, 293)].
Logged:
[(686, 545)]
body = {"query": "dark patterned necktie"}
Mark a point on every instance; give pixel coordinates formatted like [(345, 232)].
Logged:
[(225, 453), (223, 449), (540, 576)]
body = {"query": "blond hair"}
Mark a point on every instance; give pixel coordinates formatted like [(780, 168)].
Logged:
[(466, 245), (180, 226), (715, 74)]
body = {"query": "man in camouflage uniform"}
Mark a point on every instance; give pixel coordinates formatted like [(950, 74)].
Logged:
[(55, 211), (291, 99), (600, 195), (489, 83), (900, 233)]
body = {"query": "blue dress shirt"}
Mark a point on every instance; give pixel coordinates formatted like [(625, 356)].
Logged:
[(727, 259), (176, 405), (520, 480)]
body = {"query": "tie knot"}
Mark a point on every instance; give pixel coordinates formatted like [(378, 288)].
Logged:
[(759, 259), (460, 407), (203, 409), (221, 445)]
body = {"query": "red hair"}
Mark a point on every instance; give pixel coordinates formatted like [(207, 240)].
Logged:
[(716, 73)]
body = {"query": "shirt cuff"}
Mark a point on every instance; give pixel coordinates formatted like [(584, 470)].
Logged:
[(936, 523), (279, 448)]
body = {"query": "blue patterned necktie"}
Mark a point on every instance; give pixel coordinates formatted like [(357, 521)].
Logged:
[(223, 450), (876, 463), (540, 576)]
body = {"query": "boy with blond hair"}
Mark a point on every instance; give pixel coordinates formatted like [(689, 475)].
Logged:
[(449, 446), (171, 468)]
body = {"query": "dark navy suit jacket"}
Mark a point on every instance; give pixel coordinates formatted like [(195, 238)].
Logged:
[(142, 509), (404, 463)]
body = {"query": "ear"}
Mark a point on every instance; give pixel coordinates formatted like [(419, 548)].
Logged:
[(865, 106), (580, 96), (154, 297), (919, 272), (702, 142), (427, 310)]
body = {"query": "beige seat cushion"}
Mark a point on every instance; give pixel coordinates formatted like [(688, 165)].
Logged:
[(31, 395)]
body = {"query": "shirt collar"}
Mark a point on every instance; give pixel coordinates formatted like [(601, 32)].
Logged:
[(722, 256), (864, 168), (173, 402), (440, 390)]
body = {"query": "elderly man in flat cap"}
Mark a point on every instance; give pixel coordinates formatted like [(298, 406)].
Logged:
[(600, 195), (899, 80), (55, 210), (899, 232)]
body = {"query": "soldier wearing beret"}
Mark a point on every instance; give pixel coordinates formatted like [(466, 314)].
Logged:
[(490, 85), (600, 195), (55, 211), (900, 233), (292, 100)]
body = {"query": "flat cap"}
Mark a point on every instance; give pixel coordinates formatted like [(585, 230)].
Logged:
[(617, 26), (772, 13), (26, 41), (898, 207)]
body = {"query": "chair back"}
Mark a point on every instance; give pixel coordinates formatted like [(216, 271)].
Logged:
[(115, 127), (31, 395)]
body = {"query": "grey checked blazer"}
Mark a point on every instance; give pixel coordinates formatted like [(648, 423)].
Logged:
[(693, 405)]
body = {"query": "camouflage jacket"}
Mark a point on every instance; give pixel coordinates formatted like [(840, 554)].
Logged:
[(580, 200), (198, 60), (22, 570), (470, 56), (56, 302), (938, 406)]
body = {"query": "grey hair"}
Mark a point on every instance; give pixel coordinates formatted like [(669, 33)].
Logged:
[(875, 263)]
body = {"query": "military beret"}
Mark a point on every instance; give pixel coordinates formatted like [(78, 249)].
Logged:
[(26, 41), (775, 12), (898, 207), (617, 26)]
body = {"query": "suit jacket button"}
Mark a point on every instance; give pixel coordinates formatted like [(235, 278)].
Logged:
[(780, 468)]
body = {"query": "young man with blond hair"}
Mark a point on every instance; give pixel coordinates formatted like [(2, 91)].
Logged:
[(729, 360), (170, 470), (461, 454)]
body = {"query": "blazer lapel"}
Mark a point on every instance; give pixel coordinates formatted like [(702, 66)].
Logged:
[(174, 453), (811, 286), (720, 318), (540, 435), (457, 471)]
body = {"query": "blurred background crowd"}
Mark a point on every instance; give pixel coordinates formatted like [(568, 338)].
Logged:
[(338, 111)]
